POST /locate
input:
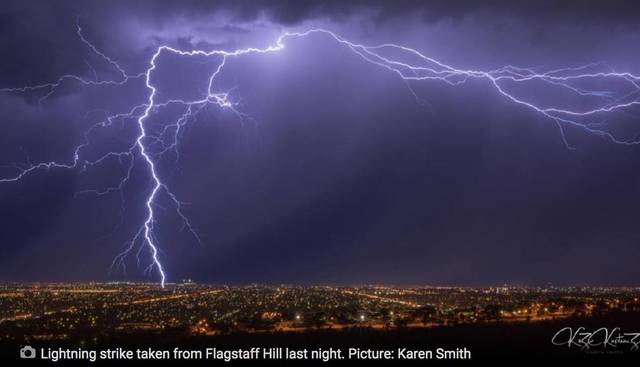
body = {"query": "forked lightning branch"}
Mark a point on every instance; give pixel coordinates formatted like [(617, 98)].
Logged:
[(514, 84)]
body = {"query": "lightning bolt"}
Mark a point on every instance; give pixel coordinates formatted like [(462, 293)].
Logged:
[(408, 64)]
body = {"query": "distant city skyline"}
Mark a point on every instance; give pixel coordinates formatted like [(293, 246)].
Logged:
[(79, 320)]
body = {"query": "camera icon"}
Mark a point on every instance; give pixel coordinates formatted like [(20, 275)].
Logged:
[(27, 352)]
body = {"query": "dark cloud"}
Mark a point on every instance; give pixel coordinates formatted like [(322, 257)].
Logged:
[(292, 11), (34, 31)]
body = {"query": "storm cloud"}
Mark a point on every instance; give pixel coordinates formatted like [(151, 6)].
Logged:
[(341, 175)]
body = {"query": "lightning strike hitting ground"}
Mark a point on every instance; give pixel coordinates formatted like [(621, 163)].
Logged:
[(601, 104)]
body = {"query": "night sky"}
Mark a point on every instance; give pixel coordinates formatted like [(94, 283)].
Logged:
[(340, 174)]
